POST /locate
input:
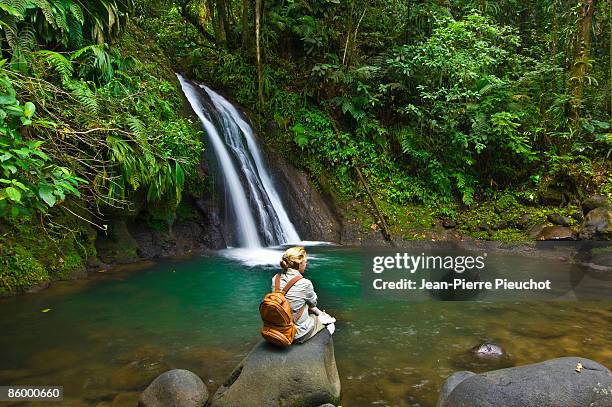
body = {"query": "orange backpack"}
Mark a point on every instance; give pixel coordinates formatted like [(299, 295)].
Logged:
[(278, 322)]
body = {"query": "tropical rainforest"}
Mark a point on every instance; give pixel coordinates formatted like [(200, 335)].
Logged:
[(406, 111)]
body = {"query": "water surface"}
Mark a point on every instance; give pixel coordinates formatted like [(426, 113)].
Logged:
[(105, 339)]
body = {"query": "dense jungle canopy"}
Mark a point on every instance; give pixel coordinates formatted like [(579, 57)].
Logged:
[(438, 107)]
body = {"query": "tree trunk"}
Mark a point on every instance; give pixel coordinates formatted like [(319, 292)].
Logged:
[(582, 49), (222, 19), (246, 5), (187, 16), (258, 9), (554, 43)]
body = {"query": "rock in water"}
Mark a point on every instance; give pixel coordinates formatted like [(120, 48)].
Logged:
[(556, 233), (450, 383), (175, 388), (554, 382), (488, 350), (597, 224), (302, 375), (482, 357)]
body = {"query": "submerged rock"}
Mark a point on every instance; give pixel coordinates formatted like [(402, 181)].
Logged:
[(301, 375), (558, 382), (175, 388), (485, 356), (488, 350), (597, 224)]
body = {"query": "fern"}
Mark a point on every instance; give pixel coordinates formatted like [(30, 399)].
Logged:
[(98, 56), (83, 94), (75, 32), (138, 128), (77, 12), (10, 10), (46, 9), (58, 62), (15, 8)]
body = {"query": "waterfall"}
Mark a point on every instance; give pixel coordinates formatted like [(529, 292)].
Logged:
[(257, 205)]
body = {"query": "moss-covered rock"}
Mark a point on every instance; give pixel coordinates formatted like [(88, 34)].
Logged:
[(19, 270)]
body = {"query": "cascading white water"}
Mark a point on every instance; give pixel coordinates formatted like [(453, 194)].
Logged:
[(248, 236), (263, 206), (284, 230)]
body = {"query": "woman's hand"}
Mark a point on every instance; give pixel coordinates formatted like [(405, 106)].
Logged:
[(316, 311)]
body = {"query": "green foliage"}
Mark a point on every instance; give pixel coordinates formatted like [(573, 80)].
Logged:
[(67, 24), (19, 270), (30, 181)]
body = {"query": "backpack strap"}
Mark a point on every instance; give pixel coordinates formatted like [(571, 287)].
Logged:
[(298, 315), (289, 283), (285, 289)]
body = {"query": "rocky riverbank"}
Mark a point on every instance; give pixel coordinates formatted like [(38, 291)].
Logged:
[(302, 375)]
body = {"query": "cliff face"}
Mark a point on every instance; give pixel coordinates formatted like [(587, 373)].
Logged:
[(311, 212)]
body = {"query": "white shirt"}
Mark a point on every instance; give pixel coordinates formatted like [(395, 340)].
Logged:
[(301, 293)]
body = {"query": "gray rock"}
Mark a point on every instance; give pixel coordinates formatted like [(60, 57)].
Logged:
[(448, 224), (557, 219), (302, 375), (488, 350), (556, 233), (597, 224), (483, 357), (592, 202), (175, 388), (551, 383), (450, 383)]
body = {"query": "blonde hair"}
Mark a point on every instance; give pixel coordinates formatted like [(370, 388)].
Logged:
[(293, 257)]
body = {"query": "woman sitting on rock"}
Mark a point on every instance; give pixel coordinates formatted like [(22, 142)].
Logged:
[(302, 298)]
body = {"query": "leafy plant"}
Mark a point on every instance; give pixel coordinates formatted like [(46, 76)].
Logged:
[(30, 181)]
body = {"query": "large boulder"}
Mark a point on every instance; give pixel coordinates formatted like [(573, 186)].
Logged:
[(302, 375), (558, 382), (450, 383), (597, 224), (592, 202), (175, 388)]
